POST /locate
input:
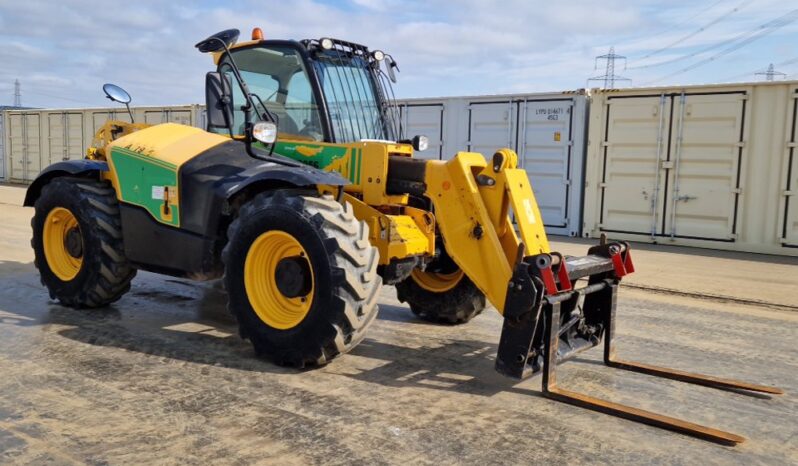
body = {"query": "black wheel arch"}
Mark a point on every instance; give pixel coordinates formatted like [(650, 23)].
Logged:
[(83, 168)]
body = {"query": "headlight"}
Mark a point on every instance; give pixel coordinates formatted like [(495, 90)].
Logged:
[(265, 132), (378, 55), (326, 43), (420, 143)]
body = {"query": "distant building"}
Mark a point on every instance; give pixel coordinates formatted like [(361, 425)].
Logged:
[(12, 107)]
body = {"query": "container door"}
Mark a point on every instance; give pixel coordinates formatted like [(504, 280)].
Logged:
[(2, 149), (66, 136), (704, 166), (155, 117), (491, 126), (635, 148), (789, 231), (544, 151), (99, 118), (24, 150), (425, 120)]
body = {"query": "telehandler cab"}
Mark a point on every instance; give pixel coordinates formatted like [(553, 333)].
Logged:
[(304, 196)]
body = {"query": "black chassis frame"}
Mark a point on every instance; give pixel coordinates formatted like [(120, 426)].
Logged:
[(212, 185)]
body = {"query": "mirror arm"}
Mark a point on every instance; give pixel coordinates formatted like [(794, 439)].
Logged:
[(132, 120)]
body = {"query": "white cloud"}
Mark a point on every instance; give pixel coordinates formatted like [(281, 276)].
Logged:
[(443, 47)]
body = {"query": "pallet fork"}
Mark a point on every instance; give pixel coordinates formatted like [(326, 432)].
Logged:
[(554, 322)]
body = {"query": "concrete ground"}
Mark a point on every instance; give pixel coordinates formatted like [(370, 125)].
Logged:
[(162, 377)]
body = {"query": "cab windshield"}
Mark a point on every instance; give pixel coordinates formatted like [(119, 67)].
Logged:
[(349, 88), (278, 76)]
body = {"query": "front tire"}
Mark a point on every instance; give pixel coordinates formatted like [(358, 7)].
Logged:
[(77, 242), (301, 277)]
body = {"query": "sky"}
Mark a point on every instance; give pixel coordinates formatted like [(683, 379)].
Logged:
[(63, 51)]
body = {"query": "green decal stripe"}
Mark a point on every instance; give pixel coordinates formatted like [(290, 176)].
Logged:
[(137, 174), (353, 166), (324, 156), (359, 164), (142, 157)]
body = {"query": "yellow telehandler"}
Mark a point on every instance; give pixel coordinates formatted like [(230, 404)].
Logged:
[(304, 196)]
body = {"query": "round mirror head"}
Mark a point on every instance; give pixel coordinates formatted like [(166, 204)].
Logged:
[(116, 93), (217, 42)]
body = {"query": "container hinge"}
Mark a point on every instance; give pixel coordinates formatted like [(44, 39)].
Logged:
[(745, 97), (667, 164), (566, 182), (605, 143), (787, 193), (737, 190), (733, 236), (602, 185), (740, 144), (792, 145)]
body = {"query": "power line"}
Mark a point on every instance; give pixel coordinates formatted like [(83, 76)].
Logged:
[(776, 23), (684, 22), (762, 31), (698, 31)]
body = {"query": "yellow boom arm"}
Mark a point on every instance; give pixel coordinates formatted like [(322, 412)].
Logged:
[(473, 201)]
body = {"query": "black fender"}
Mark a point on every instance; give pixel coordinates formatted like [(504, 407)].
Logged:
[(82, 167), (297, 175), (211, 181)]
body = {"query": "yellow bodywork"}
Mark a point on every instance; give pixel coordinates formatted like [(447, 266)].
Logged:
[(473, 200), (397, 236)]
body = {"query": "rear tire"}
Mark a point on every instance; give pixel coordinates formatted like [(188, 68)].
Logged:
[(84, 265), (338, 304)]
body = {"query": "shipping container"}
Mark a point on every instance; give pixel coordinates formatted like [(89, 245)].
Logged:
[(34, 139), (2, 150), (708, 166), (546, 130)]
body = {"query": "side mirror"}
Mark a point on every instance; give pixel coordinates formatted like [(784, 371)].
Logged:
[(218, 101), (219, 41), (390, 64), (116, 93)]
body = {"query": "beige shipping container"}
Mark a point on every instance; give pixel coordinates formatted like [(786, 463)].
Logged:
[(708, 166), (34, 139)]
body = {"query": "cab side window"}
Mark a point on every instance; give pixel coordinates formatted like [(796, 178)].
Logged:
[(277, 76)]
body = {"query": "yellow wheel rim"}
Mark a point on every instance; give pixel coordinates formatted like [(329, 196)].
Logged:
[(60, 229), (260, 280), (437, 282)]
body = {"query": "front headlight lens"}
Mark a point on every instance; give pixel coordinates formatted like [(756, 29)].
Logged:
[(420, 143), (265, 132)]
